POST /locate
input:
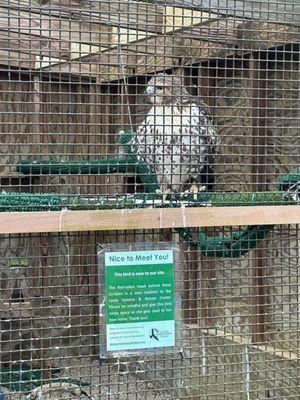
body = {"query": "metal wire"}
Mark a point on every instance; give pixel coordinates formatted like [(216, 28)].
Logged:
[(150, 104)]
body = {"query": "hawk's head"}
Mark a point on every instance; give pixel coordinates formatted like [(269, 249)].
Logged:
[(164, 89)]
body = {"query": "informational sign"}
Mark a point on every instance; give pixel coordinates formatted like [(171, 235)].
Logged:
[(139, 300)]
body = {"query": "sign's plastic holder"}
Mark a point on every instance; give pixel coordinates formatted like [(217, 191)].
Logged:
[(140, 290)]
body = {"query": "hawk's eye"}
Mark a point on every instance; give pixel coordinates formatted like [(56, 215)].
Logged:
[(159, 88)]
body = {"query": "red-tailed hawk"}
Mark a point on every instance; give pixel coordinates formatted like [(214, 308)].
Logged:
[(177, 137)]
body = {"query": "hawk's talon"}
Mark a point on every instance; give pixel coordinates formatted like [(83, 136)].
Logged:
[(164, 193), (195, 190)]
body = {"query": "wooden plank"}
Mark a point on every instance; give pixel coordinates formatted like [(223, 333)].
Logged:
[(12, 41), (257, 76), (284, 11), (154, 43), (114, 57), (65, 220), (149, 64), (139, 41), (242, 340), (87, 70), (73, 68), (17, 59), (106, 66), (16, 309), (144, 42), (107, 58), (124, 36), (128, 14), (35, 128), (207, 92), (178, 18), (227, 37), (149, 50), (119, 36), (110, 73), (220, 38), (40, 25), (195, 51), (254, 36), (26, 61), (160, 45), (220, 30), (258, 293), (52, 37), (79, 50), (145, 64)]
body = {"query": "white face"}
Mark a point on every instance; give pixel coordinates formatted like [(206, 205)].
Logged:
[(165, 89), (155, 94)]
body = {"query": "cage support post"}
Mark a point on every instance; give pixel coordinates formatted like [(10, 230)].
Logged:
[(128, 111), (43, 107), (38, 138), (101, 129), (207, 91), (192, 264), (93, 183), (259, 142), (189, 307), (36, 106)]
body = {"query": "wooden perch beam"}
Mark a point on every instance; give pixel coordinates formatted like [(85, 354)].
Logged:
[(65, 220)]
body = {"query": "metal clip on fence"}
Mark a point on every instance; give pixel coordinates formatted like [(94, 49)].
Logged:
[(232, 246)]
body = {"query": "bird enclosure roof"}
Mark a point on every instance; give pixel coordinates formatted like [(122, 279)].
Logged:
[(283, 11), (87, 38)]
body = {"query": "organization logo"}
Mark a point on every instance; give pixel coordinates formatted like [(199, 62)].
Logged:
[(154, 334), (157, 334)]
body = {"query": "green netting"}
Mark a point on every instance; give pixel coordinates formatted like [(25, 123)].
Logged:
[(128, 164), (137, 165), (55, 202), (22, 378), (289, 180), (235, 245)]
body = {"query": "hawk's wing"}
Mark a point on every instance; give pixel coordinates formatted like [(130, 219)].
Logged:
[(211, 137)]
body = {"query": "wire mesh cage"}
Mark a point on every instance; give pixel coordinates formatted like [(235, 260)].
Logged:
[(151, 122)]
